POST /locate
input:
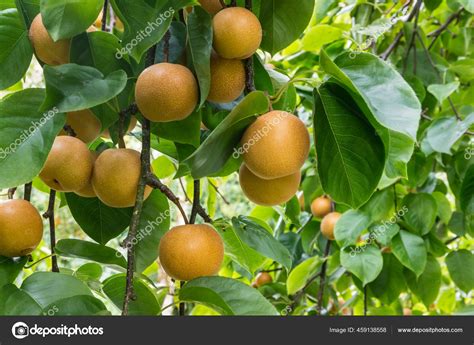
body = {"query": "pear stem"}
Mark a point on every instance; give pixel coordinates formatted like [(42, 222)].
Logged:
[(196, 197), (28, 189)]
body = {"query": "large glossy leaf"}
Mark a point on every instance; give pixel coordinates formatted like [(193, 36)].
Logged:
[(90, 251), (216, 150), (154, 222), (145, 22), (467, 192), (15, 48), (16, 302), (365, 264), (426, 286), (410, 250), (65, 18), (76, 306), (71, 87), (10, 268), (390, 282), (350, 226), (460, 265), (187, 131), (302, 273), (350, 153), (227, 296), (48, 287), (99, 221), (259, 239), (28, 10), (237, 250), (146, 301), (421, 213), (26, 136), (283, 22), (200, 46)]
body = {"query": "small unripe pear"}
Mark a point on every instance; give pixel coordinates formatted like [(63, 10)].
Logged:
[(321, 206), (328, 224), (227, 80), (263, 278), (85, 124)]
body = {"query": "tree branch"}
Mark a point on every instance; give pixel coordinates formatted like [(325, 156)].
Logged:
[(28, 189), (104, 15), (196, 201), (323, 278), (49, 214), (249, 71), (11, 193), (435, 34)]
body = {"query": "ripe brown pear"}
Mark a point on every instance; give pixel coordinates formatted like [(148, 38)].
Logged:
[(166, 92), (68, 167), (131, 127), (263, 278), (88, 190), (268, 192), (116, 176), (328, 224), (321, 206), (191, 251), (48, 51), (275, 145), (227, 80), (237, 33), (21, 228), (85, 124), (211, 6)]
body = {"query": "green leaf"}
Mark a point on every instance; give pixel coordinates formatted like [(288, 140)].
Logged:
[(467, 192), (163, 167), (89, 272), (259, 239), (187, 131), (350, 226), (216, 150), (283, 22), (380, 206), (350, 154), (154, 222), (76, 306), (15, 48), (227, 296), (71, 87), (16, 302), (444, 207), (101, 222), (28, 9), (426, 286), (26, 136), (468, 5), (302, 273), (460, 265), (145, 22), (410, 250), (464, 68), (237, 250), (146, 302), (365, 264), (49, 287), (391, 282), (320, 35), (199, 25), (384, 232), (10, 268), (443, 91), (90, 251), (421, 213), (65, 18)]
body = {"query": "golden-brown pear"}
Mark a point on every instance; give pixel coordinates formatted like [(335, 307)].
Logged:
[(211, 6), (328, 224), (116, 176), (48, 51), (191, 251), (88, 191), (263, 278), (275, 145), (166, 92), (21, 228), (237, 33), (85, 124), (227, 80), (321, 206), (268, 192), (68, 167), (131, 126)]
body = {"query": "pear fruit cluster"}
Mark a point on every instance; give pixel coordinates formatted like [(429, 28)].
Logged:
[(191, 251), (21, 228), (275, 148)]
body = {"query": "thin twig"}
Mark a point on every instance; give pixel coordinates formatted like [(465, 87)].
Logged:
[(49, 214), (11, 193), (218, 192), (435, 34), (40, 260), (323, 278), (451, 240), (186, 196), (104, 15), (196, 201), (28, 189)]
